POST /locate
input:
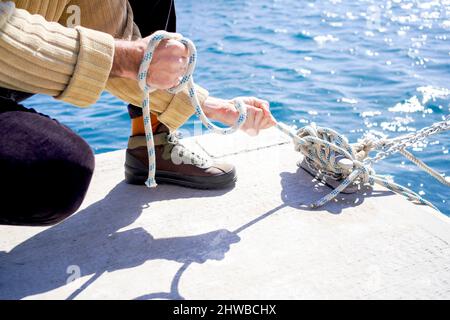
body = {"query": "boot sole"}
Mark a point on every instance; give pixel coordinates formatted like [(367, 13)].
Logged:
[(136, 174)]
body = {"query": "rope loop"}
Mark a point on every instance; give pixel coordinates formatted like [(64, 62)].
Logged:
[(186, 83)]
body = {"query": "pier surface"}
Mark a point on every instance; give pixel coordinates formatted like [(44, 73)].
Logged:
[(257, 240)]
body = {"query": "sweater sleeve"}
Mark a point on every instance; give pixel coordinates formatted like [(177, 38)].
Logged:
[(171, 110), (38, 56)]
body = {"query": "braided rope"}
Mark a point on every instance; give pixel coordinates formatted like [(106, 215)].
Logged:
[(331, 155), (326, 151), (186, 82), (425, 167)]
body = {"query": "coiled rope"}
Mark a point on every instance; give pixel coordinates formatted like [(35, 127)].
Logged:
[(330, 155), (326, 152)]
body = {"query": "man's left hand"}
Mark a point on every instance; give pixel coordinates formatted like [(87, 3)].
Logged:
[(259, 116)]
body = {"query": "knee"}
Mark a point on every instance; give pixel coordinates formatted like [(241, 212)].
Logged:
[(69, 183), (49, 184), (71, 175)]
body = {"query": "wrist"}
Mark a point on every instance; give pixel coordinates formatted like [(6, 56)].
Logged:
[(220, 110), (127, 59)]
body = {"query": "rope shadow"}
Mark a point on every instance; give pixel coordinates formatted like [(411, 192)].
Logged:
[(300, 189)]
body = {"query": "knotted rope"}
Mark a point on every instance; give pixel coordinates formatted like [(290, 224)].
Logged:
[(329, 154), (326, 152)]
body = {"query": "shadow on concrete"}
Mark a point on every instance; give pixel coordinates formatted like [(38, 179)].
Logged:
[(300, 189), (92, 241)]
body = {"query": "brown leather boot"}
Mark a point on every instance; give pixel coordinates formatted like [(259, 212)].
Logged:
[(175, 164)]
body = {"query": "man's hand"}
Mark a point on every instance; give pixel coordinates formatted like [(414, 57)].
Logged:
[(169, 63), (259, 116)]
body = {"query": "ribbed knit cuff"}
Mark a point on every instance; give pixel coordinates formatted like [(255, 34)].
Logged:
[(127, 90), (181, 109), (94, 63)]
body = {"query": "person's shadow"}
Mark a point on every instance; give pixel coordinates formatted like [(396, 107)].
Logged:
[(299, 190), (40, 263)]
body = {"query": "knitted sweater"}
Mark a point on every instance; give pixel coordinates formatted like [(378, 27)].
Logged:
[(41, 52)]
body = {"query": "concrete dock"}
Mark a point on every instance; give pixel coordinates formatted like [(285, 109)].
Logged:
[(257, 240)]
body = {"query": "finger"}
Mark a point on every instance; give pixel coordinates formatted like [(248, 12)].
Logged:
[(269, 118), (251, 132), (177, 35), (248, 124), (162, 80), (182, 72), (178, 48), (176, 69), (185, 49), (172, 64), (253, 121), (184, 61), (175, 81), (264, 105), (261, 104), (267, 123), (259, 116), (256, 102)]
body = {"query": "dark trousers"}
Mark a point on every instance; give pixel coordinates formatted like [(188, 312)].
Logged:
[(165, 19), (45, 167)]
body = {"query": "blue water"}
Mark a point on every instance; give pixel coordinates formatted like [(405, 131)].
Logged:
[(356, 66)]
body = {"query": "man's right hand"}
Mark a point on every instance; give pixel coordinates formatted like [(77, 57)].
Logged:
[(169, 63)]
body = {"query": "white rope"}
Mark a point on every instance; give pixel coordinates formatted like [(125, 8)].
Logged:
[(187, 82), (425, 167), (331, 155)]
